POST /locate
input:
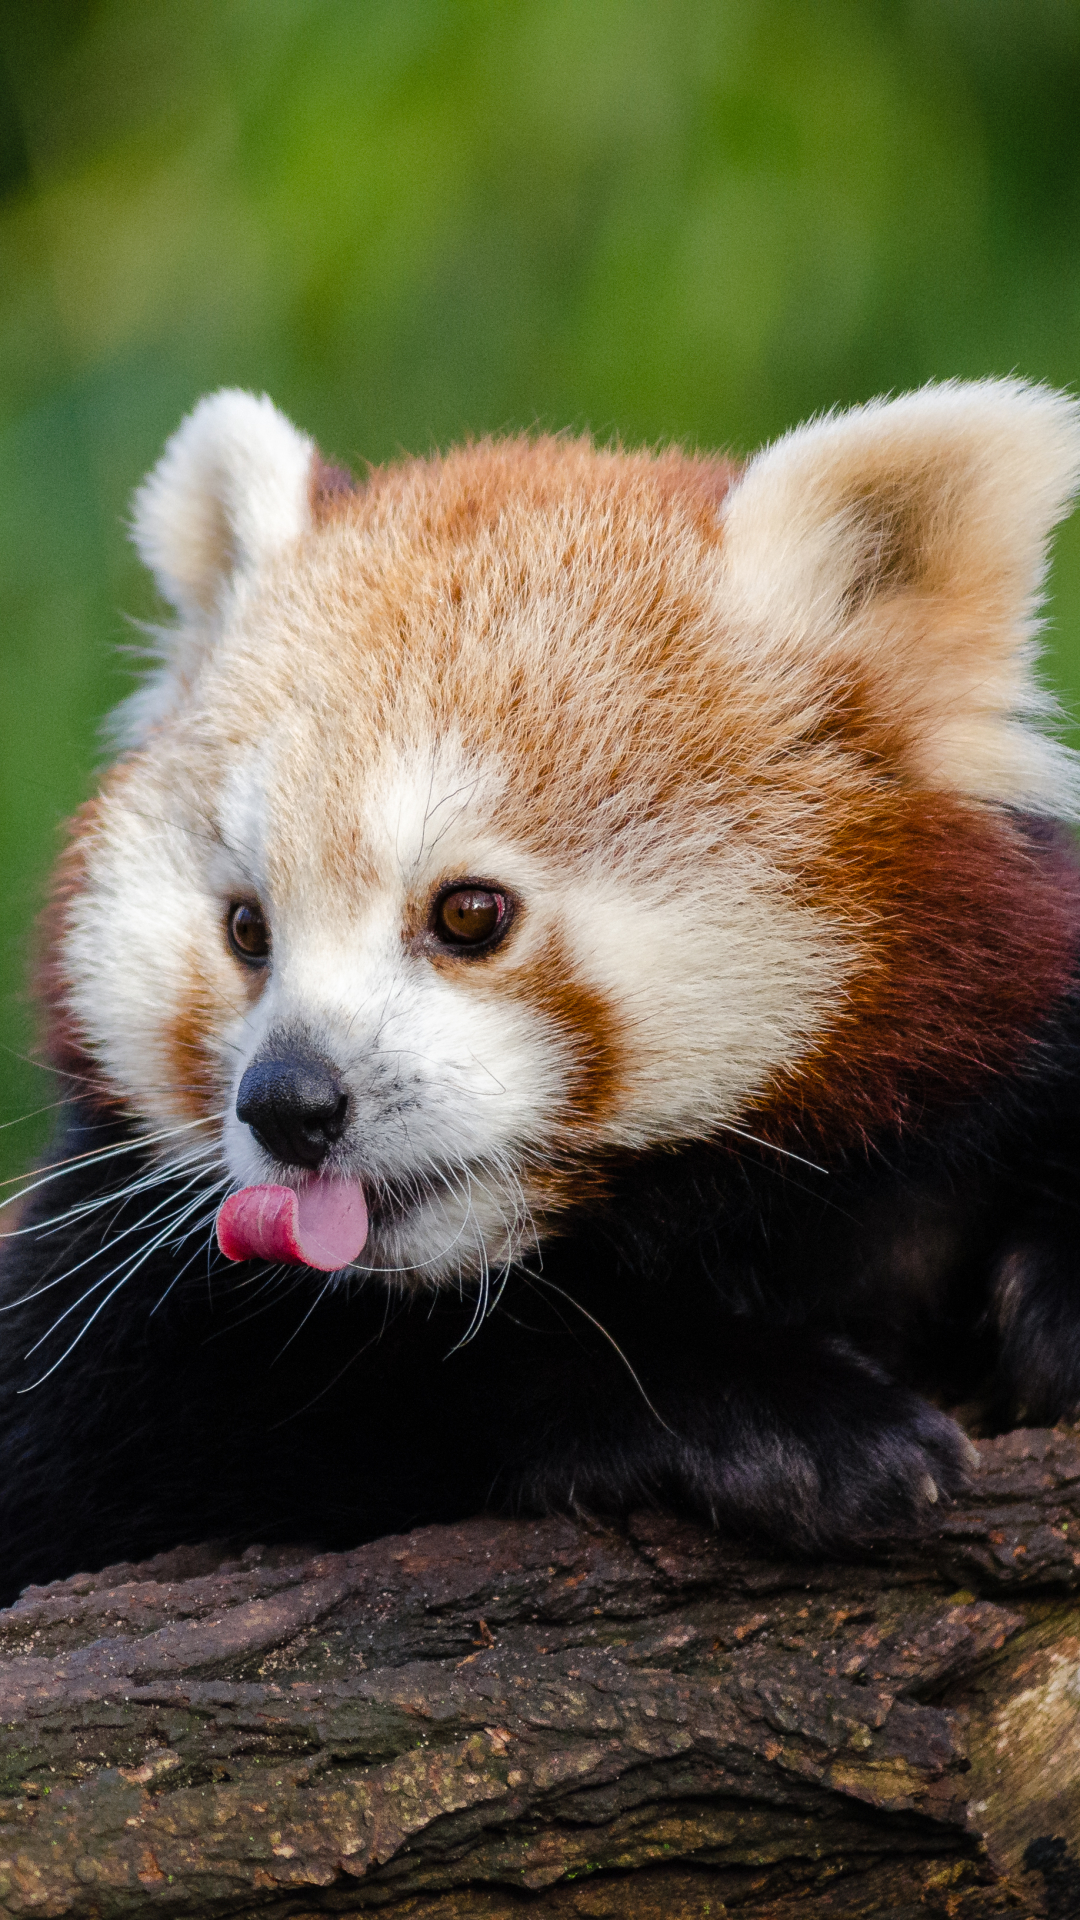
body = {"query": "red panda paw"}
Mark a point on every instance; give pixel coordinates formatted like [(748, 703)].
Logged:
[(817, 1451)]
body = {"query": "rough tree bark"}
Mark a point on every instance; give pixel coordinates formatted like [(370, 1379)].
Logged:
[(530, 1719)]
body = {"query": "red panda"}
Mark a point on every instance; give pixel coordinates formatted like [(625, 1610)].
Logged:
[(566, 996)]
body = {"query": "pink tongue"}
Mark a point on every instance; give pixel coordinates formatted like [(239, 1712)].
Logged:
[(323, 1226)]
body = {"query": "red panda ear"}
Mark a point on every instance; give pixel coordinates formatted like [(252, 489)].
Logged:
[(897, 553), (235, 484), (230, 489)]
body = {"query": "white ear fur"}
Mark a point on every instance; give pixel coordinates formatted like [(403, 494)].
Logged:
[(230, 489), (902, 546)]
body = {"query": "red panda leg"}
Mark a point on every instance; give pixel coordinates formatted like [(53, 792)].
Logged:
[(1036, 1305), (789, 1435)]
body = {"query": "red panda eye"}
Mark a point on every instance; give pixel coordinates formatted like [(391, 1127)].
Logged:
[(468, 916), (249, 935)]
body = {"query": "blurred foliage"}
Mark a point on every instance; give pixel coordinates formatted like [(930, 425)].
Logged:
[(414, 219)]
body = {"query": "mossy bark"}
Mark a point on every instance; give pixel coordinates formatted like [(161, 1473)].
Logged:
[(517, 1718)]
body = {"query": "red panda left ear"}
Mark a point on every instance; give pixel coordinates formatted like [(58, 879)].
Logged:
[(897, 553)]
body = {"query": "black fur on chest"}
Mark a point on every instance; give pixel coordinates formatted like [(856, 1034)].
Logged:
[(734, 1332)]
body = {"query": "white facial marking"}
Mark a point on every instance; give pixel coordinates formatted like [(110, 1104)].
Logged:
[(448, 1086)]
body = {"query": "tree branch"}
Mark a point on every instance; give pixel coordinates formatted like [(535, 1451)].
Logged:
[(539, 1718)]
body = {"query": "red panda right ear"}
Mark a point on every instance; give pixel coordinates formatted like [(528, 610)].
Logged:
[(230, 489), (236, 483)]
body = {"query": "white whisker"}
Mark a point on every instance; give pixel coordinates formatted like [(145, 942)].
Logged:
[(133, 1145), (34, 1114), (612, 1342), (104, 1247), (170, 1226), (114, 1196), (319, 1297), (771, 1147)]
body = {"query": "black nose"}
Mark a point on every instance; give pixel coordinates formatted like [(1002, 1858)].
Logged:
[(295, 1105)]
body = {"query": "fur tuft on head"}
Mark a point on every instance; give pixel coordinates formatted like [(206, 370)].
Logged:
[(900, 549)]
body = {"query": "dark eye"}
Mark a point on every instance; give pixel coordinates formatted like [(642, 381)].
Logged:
[(249, 935), (471, 916)]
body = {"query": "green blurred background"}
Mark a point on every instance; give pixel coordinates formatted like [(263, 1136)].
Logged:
[(415, 219)]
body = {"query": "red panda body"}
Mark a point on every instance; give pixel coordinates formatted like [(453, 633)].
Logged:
[(593, 932)]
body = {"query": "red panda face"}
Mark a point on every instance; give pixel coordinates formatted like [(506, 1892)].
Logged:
[(563, 804)]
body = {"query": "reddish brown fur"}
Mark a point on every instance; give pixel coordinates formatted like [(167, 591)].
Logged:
[(329, 490), (975, 939), (585, 1022), (197, 1088), (62, 1041), (447, 499)]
